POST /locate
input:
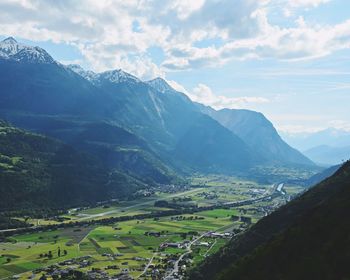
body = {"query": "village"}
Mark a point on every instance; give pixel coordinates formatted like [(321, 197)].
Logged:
[(161, 236), (163, 264)]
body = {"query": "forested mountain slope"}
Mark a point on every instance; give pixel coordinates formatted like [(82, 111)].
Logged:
[(306, 239), (40, 172)]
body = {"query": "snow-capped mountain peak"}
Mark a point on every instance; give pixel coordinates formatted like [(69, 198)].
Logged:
[(114, 76), (160, 85), (9, 40), (11, 49), (33, 54), (87, 74), (119, 76)]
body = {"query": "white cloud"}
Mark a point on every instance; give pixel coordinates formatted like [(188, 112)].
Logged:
[(304, 41), (292, 6), (295, 129), (306, 3), (340, 124), (104, 31), (139, 65), (307, 123), (298, 128), (203, 94), (185, 8)]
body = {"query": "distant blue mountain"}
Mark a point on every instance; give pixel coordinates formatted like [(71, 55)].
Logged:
[(306, 140), (327, 155), (324, 174)]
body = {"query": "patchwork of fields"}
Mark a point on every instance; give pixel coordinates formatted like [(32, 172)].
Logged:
[(139, 247)]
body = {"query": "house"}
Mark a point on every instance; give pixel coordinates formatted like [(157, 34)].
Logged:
[(215, 235), (125, 270), (172, 245)]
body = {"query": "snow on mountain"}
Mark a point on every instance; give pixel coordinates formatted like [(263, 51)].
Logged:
[(11, 49), (87, 74), (160, 85), (113, 76), (33, 54), (118, 76)]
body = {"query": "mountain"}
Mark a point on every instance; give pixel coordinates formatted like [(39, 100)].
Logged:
[(88, 75), (305, 239), (306, 140), (37, 172), (228, 153), (122, 150), (42, 86), (161, 85), (259, 134), (324, 174), (170, 122), (10, 49), (53, 100), (327, 155), (63, 101)]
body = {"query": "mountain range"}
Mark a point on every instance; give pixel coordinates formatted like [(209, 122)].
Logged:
[(332, 137), (145, 130), (328, 155)]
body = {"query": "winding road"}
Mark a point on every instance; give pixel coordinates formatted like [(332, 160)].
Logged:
[(175, 270)]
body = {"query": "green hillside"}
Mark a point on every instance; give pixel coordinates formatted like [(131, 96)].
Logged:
[(306, 239), (40, 172)]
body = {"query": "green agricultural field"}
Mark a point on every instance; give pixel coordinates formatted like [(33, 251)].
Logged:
[(126, 238), (218, 213), (230, 192), (132, 244)]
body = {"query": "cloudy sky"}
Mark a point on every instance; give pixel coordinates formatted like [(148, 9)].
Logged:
[(289, 59)]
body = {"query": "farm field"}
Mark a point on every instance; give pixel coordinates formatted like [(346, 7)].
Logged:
[(125, 244), (142, 247)]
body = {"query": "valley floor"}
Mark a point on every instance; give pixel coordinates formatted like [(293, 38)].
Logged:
[(163, 246)]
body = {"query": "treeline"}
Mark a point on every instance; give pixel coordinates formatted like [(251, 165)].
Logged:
[(112, 220), (7, 222)]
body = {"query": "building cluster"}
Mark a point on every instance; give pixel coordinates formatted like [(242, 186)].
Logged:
[(219, 235)]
